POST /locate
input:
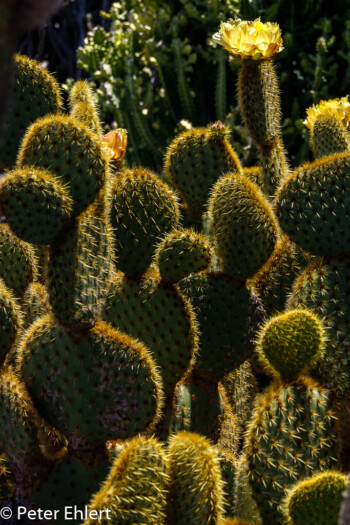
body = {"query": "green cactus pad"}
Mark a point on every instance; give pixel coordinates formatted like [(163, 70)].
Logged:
[(137, 486), (24, 435), (259, 99), (35, 303), (313, 205), (78, 269), (36, 93), (328, 135), (82, 92), (275, 166), (82, 102), (202, 406), (36, 205), (86, 114), (181, 253), (17, 261), (244, 503), (317, 500), (243, 225), (157, 314), (291, 435), (228, 314), (241, 388), (324, 287), (273, 282), (290, 343), (144, 210), (196, 486), (41, 253), (92, 386), (10, 320), (194, 162), (71, 152)]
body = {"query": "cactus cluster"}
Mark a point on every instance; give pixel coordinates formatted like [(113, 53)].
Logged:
[(168, 344)]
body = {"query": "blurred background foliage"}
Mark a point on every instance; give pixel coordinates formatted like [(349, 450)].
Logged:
[(157, 72)]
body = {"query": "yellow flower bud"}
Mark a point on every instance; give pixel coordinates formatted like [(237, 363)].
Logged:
[(337, 107), (117, 141), (254, 40)]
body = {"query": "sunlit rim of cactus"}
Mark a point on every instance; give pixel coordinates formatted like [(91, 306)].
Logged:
[(245, 39), (336, 107), (117, 141)]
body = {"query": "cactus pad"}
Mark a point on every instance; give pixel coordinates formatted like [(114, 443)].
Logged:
[(328, 135), (313, 205), (71, 152), (317, 500), (137, 486), (70, 485), (243, 225), (10, 320), (194, 162), (228, 314), (158, 315), (290, 343), (324, 288), (144, 210), (92, 386), (36, 93), (196, 486), (273, 282), (35, 204), (78, 269), (181, 253), (17, 261), (290, 436)]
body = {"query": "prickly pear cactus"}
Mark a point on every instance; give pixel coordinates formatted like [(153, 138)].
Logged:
[(78, 269), (292, 432), (36, 205), (157, 314), (116, 390), (196, 488), (291, 343), (324, 288), (316, 500), (328, 136), (327, 122), (7, 481), (11, 320), (243, 225), (136, 488), (194, 162), (143, 210), (82, 102), (71, 152), (273, 282), (291, 435), (312, 205), (36, 93), (17, 261)]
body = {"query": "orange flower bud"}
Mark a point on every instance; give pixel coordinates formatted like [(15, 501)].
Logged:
[(117, 141)]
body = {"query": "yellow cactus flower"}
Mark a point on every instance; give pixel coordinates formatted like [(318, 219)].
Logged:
[(337, 107), (117, 141), (254, 40)]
